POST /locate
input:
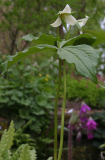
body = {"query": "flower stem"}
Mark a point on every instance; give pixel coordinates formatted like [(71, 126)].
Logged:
[(58, 37), (55, 113), (68, 32), (70, 144), (55, 109), (63, 113)]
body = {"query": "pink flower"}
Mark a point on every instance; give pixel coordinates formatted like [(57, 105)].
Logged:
[(90, 135), (84, 108), (72, 127), (83, 119), (91, 124)]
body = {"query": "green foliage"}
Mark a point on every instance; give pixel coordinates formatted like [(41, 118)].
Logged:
[(23, 54), (26, 96), (99, 34), (99, 133), (43, 39), (23, 89), (85, 152), (84, 57), (77, 55), (22, 138), (81, 39), (78, 87), (7, 139), (22, 153)]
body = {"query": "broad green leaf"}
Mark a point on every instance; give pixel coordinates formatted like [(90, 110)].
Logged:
[(41, 100), (81, 39), (43, 39), (99, 34), (84, 57), (18, 123), (23, 54)]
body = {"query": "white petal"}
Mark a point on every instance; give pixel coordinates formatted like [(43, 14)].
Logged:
[(83, 21), (87, 16), (57, 22), (67, 9), (69, 19), (80, 23)]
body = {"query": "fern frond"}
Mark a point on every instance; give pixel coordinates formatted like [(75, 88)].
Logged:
[(50, 158), (16, 154), (9, 153), (25, 153), (5, 155), (3, 142), (10, 135), (33, 154)]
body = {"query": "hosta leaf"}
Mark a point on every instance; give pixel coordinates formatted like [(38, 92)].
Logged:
[(99, 34), (43, 39), (23, 54), (81, 39), (84, 57)]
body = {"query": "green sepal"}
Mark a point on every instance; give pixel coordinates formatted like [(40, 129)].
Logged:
[(64, 24)]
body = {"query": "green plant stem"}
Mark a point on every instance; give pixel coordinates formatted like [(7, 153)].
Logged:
[(55, 113), (56, 101), (63, 113), (58, 37), (68, 33)]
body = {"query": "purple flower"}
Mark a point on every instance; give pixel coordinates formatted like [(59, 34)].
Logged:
[(72, 127), (91, 124), (69, 126), (83, 119), (90, 135), (84, 108), (0, 127)]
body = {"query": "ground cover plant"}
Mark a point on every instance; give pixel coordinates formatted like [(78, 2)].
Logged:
[(24, 152), (83, 89), (77, 50)]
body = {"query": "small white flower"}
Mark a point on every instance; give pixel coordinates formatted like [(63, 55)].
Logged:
[(66, 16), (83, 21)]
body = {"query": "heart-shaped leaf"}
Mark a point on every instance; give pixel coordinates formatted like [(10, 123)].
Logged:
[(23, 54), (81, 39), (43, 39), (84, 57)]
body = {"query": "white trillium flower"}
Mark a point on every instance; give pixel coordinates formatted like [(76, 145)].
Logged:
[(66, 16), (83, 21)]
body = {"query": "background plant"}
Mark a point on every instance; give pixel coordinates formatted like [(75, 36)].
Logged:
[(78, 87), (23, 152), (99, 134), (26, 96)]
